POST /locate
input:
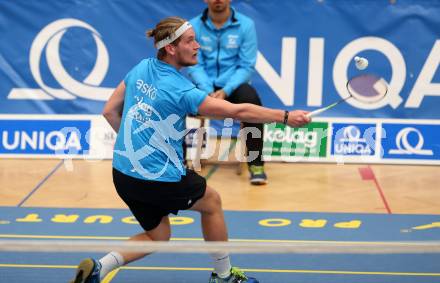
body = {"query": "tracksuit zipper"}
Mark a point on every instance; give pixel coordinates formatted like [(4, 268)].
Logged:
[(218, 54)]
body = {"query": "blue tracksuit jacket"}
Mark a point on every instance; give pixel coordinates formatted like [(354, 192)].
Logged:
[(227, 55)]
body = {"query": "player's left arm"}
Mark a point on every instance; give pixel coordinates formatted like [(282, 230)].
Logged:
[(113, 108)]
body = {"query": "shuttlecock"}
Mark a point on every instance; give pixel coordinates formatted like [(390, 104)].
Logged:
[(361, 63)]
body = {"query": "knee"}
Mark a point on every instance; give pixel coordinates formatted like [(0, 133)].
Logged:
[(247, 94), (161, 232), (165, 236), (214, 201)]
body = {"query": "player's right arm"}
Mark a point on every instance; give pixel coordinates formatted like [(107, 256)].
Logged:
[(113, 108), (246, 112)]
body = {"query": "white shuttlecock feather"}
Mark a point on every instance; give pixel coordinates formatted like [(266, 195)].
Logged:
[(361, 63)]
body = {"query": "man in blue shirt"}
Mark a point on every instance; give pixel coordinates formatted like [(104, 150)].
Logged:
[(148, 110), (227, 59)]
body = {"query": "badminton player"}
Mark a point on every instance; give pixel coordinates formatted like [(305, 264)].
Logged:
[(148, 110)]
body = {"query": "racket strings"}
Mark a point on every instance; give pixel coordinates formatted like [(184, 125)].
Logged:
[(367, 88)]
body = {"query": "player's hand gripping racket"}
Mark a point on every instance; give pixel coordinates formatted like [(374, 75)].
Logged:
[(366, 88)]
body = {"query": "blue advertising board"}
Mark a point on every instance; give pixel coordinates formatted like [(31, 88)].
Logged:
[(354, 139), (411, 141), (44, 137), (72, 54)]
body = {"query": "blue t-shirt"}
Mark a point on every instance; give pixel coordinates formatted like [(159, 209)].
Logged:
[(149, 141)]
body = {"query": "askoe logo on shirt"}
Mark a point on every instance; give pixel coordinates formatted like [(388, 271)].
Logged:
[(143, 117), (44, 137)]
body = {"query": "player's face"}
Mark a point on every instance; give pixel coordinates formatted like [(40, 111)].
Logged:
[(218, 6), (186, 51)]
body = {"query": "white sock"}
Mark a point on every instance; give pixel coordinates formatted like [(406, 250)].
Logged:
[(110, 262), (222, 264)]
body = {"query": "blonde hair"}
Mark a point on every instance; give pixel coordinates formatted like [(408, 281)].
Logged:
[(164, 29)]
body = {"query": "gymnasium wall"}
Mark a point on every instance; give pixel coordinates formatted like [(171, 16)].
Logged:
[(61, 60)]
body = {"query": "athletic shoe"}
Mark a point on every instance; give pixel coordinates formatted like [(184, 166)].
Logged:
[(258, 177), (237, 276), (88, 271)]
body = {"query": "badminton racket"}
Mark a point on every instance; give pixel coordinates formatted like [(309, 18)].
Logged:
[(366, 88)]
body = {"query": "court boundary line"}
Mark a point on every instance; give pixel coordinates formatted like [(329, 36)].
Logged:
[(380, 190), (259, 270), (367, 174), (41, 183), (227, 152), (109, 277)]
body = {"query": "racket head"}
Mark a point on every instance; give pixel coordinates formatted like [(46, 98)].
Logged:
[(367, 88)]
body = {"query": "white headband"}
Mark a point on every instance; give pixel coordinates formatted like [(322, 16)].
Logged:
[(175, 35)]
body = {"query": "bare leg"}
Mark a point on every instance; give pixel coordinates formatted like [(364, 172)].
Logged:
[(89, 269), (214, 229), (213, 220), (161, 233)]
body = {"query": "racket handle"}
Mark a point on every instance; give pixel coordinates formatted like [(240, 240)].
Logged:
[(320, 110), (316, 112)]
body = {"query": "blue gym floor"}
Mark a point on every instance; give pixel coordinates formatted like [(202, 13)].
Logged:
[(117, 224)]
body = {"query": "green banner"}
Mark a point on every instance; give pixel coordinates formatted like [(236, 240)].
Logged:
[(308, 141)]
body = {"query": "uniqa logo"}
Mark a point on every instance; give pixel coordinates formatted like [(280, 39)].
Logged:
[(348, 141), (48, 40), (352, 134), (40, 140), (404, 147)]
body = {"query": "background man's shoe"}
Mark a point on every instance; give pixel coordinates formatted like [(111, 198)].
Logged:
[(257, 175)]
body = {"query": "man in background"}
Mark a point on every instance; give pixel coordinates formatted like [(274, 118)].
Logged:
[(226, 62)]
